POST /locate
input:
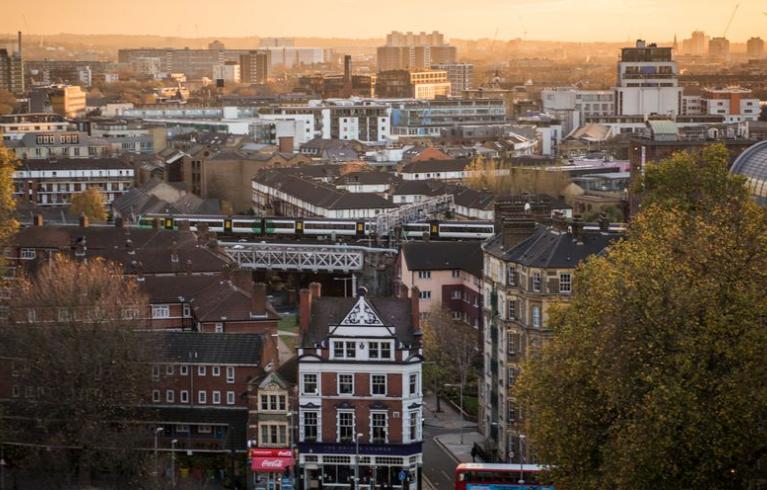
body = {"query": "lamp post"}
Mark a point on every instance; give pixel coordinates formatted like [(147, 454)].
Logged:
[(460, 394), (156, 434), (521, 460), (173, 462), (291, 445), (357, 461)]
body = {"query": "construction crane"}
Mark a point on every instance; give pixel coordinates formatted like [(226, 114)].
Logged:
[(732, 17)]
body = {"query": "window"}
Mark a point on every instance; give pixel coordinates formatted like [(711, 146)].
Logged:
[(379, 350), (218, 328), (183, 370), (512, 375), (424, 274), (309, 383), (345, 425), (155, 373), (187, 310), (536, 317), (215, 370), (217, 398), (565, 283), (273, 434), (204, 429), (512, 310), (230, 374), (345, 384), (378, 384), (28, 253), (160, 311), (413, 383), (378, 429), (272, 402), (515, 343), (182, 428), (230, 398), (16, 391), (413, 425), (536, 282), (201, 370), (202, 397), (169, 370), (184, 396), (310, 426), (425, 295), (344, 349), (456, 273), (456, 294), (156, 396), (170, 396)]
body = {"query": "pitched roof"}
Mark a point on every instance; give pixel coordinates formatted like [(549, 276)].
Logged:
[(149, 250), (329, 311), (433, 256), (551, 248), (208, 348), (431, 153)]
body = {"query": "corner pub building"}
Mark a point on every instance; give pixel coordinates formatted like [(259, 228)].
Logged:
[(360, 399)]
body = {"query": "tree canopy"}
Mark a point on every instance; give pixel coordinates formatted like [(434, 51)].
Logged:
[(81, 368), (655, 377), (89, 202)]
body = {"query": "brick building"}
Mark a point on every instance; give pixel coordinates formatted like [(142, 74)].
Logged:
[(359, 379)]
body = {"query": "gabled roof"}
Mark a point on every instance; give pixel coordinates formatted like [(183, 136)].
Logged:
[(362, 314), (435, 256), (430, 153), (208, 348), (329, 312)]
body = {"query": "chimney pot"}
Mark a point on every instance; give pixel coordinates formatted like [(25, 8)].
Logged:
[(415, 308), (259, 298), (304, 310), (316, 289), (83, 220), (38, 220)]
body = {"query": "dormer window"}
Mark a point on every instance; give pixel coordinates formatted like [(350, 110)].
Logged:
[(344, 349)]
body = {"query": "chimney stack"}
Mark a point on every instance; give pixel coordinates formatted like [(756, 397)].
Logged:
[(119, 222), (316, 289), (304, 310), (38, 220), (20, 56), (129, 247), (183, 225), (83, 220), (156, 224), (259, 298), (348, 70), (415, 308), (604, 223), (515, 231), (174, 252), (202, 233)]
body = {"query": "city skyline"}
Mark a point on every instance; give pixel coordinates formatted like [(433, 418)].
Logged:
[(557, 20)]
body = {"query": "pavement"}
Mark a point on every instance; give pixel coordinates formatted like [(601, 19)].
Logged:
[(442, 447)]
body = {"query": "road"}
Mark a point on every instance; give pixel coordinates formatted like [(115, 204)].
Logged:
[(438, 464)]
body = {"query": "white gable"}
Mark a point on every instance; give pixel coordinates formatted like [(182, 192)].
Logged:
[(362, 314)]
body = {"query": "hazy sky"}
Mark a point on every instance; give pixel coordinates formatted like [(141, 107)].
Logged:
[(571, 20)]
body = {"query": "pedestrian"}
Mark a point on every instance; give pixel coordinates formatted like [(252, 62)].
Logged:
[(474, 453)]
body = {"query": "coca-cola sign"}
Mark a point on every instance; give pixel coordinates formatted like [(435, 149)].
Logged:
[(271, 464)]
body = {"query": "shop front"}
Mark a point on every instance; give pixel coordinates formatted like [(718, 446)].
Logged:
[(272, 469)]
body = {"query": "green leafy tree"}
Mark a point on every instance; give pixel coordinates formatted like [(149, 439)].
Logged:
[(89, 202), (655, 377)]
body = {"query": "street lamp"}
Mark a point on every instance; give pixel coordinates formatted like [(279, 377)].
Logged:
[(156, 434), (521, 460), (460, 388), (173, 462), (357, 461)]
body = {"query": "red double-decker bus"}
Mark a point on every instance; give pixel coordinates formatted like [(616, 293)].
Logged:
[(487, 476)]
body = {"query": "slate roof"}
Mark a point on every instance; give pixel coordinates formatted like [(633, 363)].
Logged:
[(366, 178), (320, 194), (551, 248), (463, 196), (208, 348), (329, 311), (434, 256), (151, 248)]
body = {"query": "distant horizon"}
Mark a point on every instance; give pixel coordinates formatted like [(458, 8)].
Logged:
[(609, 21)]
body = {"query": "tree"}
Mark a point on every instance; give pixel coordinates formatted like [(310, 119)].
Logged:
[(655, 376), (8, 223), (451, 349), (89, 202), (81, 368), (7, 102)]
